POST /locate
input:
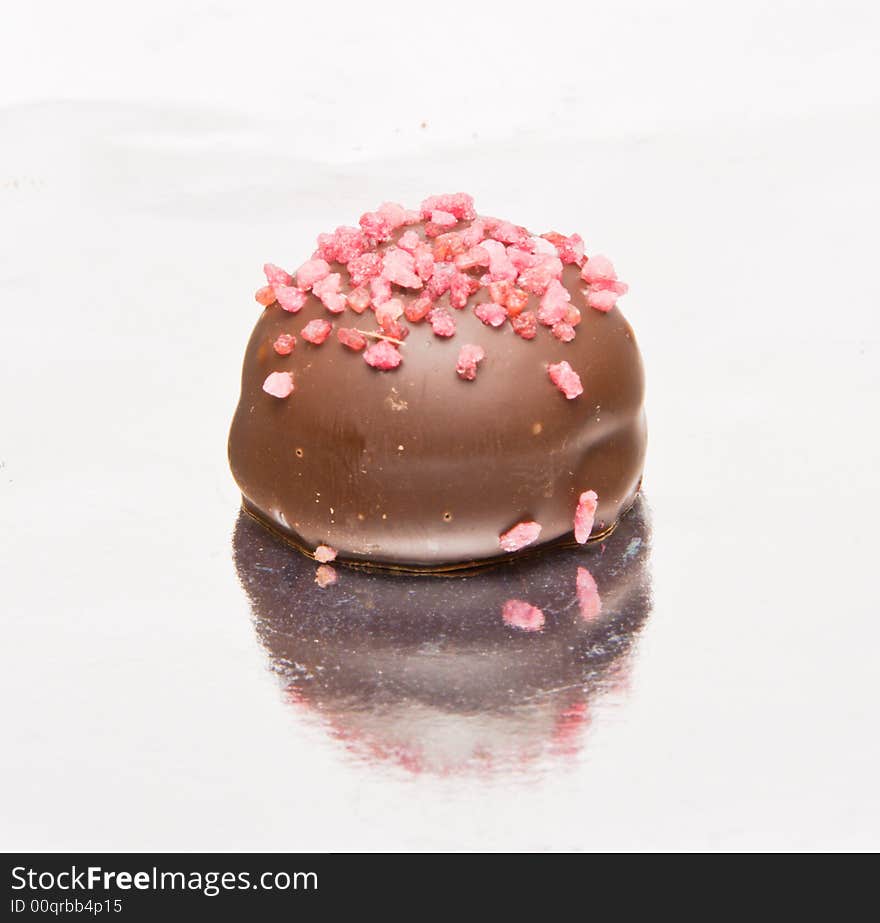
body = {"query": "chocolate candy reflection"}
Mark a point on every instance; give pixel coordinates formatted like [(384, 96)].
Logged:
[(491, 671)]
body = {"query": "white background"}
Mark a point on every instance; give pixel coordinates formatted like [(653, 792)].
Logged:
[(153, 157)]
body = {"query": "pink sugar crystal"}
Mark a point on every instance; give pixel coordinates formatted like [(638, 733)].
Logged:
[(396, 215), (383, 355), (516, 301), (554, 304), (509, 233), (363, 267), (609, 285), (589, 601), (443, 219), (359, 299), (499, 292), (325, 554), (442, 278), (380, 290), (525, 325), (389, 310), (522, 534), (395, 330), (537, 277), (474, 235), (375, 226), (275, 275), (327, 289), (584, 515), (598, 268), (459, 204), (572, 316), (566, 379), (602, 300), (521, 259), (461, 288), (570, 249), (316, 331), (423, 259), (442, 322), (448, 246), (468, 358), (563, 332), (278, 384), (398, 267), (291, 299), (491, 314), (522, 615), (342, 245), (325, 575), (284, 344), (417, 309), (310, 272), (470, 259), (500, 266), (409, 240), (265, 296), (353, 339)]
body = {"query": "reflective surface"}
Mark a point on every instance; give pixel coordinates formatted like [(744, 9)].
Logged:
[(171, 679)]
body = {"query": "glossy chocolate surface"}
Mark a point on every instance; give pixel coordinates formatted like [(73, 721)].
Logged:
[(417, 468)]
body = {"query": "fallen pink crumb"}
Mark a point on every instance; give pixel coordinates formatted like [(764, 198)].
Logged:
[(353, 339), (585, 515), (521, 535), (279, 384), (522, 615), (284, 344), (383, 356), (325, 554), (469, 356)]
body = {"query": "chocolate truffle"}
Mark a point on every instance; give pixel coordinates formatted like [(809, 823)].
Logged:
[(435, 389)]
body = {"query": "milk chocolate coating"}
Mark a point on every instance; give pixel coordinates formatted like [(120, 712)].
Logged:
[(419, 469)]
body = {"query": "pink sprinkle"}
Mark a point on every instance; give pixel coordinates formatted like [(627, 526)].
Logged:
[(522, 615), (598, 268), (461, 288), (442, 278), (448, 246), (423, 259), (585, 515), (383, 355), (509, 233), (491, 314), (380, 290), (516, 301), (521, 259), (327, 289), (499, 292), (396, 215), (610, 285), (522, 534), (474, 235), (353, 339), (343, 245), (442, 322), (291, 299), (589, 600), (265, 296), (476, 256), (570, 249), (459, 204), (395, 330), (284, 344), (563, 332), (325, 554), (554, 304), (417, 309), (279, 384), (398, 267), (375, 226), (443, 219), (525, 325), (468, 358), (364, 267), (500, 266), (602, 300), (325, 575), (316, 331), (310, 272), (409, 241), (538, 277), (566, 379), (572, 316), (388, 311), (275, 275), (359, 299)]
